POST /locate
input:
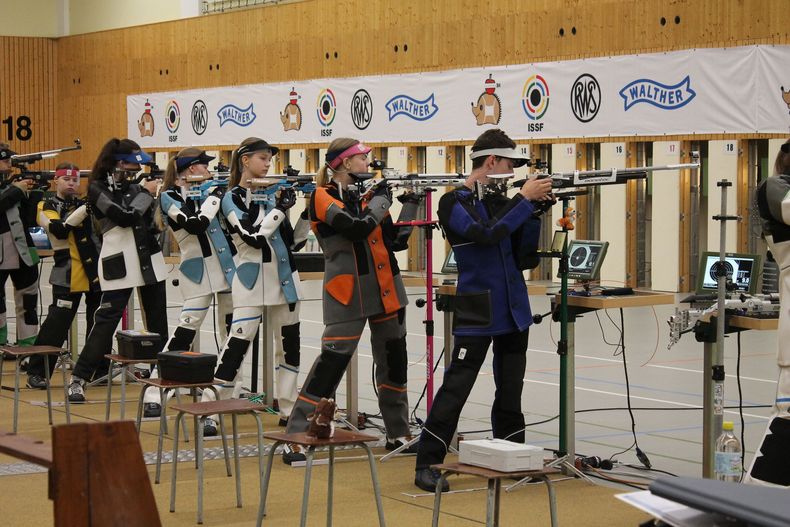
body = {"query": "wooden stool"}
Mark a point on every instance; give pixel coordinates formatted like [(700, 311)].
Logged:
[(20, 352), (199, 412), (341, 438), (164, 387), (124, 362), (494, 478)]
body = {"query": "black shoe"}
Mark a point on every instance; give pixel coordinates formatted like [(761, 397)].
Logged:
[(400, 441), (152, 410), (427, 478), (36, 382), (283, 422), (210, 428), (76, 390), (293, 453)]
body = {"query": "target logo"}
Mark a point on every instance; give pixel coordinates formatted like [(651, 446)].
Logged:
[(326, 108), (535, 99), (172, 116)]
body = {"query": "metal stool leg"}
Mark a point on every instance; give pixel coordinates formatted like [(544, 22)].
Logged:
[(236, 459), (140, 406), (16, 393), (437, 500), (49, 391), (199, 455), (160, 441), (123, 387), (175, 470), (375, 478), (260, 455), (185, 420), (552, 501), (490, 503), (109, 391), (265, 476), (224, 444), (330, 488), (306, 492), (66, 391)]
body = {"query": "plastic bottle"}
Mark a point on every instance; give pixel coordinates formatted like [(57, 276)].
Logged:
[(727, 465)]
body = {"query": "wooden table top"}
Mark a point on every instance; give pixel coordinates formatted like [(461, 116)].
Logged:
[(760, 324), (26, 448), (120, 359), (225, 406), (640, 298), (341, 437), (472, 470), (24, 351)]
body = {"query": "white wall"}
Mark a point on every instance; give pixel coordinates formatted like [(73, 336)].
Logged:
[(773, 150), (436, 163), (722, 164), (32, 18), (613, 216), (665, 225), (87, 16), (298, 159)]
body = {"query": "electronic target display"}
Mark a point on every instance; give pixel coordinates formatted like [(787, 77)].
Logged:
[(585, 258), (741, 269)]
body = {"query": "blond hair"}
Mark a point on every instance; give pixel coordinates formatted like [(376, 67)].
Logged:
[(339, 145), (171, 173), (235, 161)]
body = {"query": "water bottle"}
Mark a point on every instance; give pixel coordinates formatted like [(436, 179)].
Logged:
[(728, 455)]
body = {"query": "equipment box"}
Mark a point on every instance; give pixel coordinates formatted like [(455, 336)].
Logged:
[(187, 366), (138, 344), (501, 455)]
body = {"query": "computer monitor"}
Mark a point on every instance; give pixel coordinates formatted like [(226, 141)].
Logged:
[(742, 269), (585, 258), (450, 266)]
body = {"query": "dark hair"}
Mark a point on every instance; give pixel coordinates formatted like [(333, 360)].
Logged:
[(106, 161), (494, 138), (67, 166), (782, 164)]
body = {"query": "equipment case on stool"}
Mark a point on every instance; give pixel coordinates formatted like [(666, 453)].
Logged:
[(138, 344), (187, 366)]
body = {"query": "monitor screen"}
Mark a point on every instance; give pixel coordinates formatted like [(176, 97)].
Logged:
[(742, 270), (585, 258), (450, 266)]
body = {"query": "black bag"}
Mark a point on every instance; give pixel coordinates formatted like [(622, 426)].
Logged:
[(187, 366), (138, 344)]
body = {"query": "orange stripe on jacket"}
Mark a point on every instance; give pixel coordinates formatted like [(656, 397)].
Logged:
[(341, 338), (381, 262), (322, 200), (305, 399)]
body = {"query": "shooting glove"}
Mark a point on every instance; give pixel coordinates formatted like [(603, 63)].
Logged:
[(76, 218), (286, 199)]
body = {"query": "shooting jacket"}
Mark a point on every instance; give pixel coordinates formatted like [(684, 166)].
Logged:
[(130, 255), (361, 275), (18, 215), (266, 274), (76, 249), (207, 265), (489, 238)]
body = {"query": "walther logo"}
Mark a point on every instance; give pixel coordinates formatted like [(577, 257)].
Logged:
[(659, 95), (417, 110), (234, 114)]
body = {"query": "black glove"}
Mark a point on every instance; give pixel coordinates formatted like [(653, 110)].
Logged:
[(286, 199), (410, 197), (384, 191), (218, 191), (542, 206)]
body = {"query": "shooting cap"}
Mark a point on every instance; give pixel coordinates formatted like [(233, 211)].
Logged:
[(256, 146), (333, 159), (124, 153), (6, 153), (191, 156), (510, 153)]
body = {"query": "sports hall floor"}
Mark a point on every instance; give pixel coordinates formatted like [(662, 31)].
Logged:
[(668, 381)]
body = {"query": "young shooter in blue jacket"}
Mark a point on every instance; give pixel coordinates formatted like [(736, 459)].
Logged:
[(489, 237)]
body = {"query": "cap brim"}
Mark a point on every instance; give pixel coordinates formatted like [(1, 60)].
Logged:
[(204, 158), (519, 162)]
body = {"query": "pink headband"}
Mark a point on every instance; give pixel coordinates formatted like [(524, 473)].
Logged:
[(358, 148), (67, 172)]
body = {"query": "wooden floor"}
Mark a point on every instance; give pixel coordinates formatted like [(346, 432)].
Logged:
[(23, 498)]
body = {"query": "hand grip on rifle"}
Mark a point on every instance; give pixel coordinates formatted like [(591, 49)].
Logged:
[(286, 199)]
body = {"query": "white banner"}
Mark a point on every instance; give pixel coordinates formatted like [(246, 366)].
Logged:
[(704, 91)]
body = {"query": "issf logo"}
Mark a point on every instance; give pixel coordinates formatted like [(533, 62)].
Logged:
[(172, 116), (230, 113), (326, 107), (535, 97), (664, 96)]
